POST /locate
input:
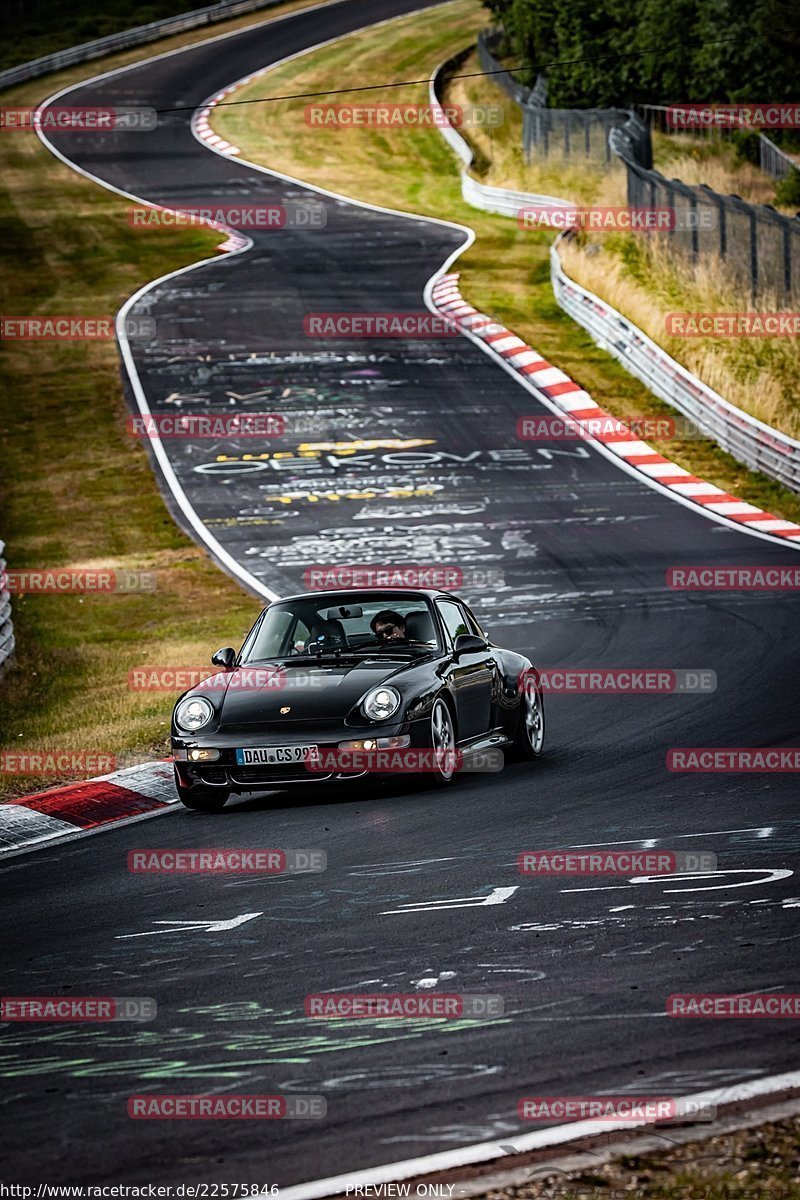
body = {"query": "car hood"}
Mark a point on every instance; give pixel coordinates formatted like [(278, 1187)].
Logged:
[(310, 691)]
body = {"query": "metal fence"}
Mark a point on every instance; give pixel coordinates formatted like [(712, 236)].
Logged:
[(774, 161), (128, 38), (759, 246), (771, 158), (6, 628), (488, 40), (750, 441), (569, 134)]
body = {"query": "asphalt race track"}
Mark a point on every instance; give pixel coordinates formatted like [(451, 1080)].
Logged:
[(583, 548)]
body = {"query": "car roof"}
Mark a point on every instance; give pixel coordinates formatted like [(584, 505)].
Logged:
[(355, 594)]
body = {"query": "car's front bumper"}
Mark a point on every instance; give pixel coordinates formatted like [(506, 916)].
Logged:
[(225, 773)]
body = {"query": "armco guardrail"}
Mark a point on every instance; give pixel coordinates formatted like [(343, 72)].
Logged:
[(128, 38), (753, 443), (480, 195), (6, 628), (502, 201)]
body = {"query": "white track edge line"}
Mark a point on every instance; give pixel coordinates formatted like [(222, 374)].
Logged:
[(639, 1143), (480, 1152)]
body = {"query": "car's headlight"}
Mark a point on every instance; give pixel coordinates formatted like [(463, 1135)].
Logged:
[(381, 703), (193, 713)]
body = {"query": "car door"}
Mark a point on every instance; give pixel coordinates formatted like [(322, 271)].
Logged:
[(472, 674)]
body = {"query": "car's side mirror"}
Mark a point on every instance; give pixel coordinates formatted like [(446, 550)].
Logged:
[(224, 658), (469, 643)]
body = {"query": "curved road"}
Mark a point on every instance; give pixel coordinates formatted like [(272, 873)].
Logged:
[(584, 972)]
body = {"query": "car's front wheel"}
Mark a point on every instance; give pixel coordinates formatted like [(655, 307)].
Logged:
[(529, 741), (443, 743), (201, 799)]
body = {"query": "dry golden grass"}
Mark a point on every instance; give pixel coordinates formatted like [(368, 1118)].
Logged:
[(637, 275), (645, 282), (697, 160)]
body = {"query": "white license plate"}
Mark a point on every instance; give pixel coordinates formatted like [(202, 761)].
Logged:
[(273, 756)]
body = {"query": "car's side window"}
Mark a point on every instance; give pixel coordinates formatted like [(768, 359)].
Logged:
[(472, 622), (454, 618)]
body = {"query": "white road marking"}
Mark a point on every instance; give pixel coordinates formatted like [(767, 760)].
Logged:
[(759, 831), (498, 895), (772, 876), (208, 926)]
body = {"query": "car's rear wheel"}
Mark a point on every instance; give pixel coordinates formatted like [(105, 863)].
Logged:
[(443, 744), (529, 741), (201, 799)]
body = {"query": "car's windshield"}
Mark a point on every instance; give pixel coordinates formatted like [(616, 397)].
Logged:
[(341, 625)]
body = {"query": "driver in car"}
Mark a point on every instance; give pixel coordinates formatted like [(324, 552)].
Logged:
[(388, 626)]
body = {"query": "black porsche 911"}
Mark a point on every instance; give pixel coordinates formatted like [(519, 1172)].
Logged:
[(330, 685)]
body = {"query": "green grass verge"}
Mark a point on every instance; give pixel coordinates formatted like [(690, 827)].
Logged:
[(506, 272), (75, 489)]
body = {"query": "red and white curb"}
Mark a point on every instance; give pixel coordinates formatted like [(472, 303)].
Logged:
[(122, 796), (579, 406), (204, 130), (200, 123)]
